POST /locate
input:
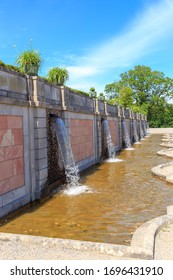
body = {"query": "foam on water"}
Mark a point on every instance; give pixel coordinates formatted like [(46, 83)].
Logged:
[(77, 190), (110, 160), (129, 149)]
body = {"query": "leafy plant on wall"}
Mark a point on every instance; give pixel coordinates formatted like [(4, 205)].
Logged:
[(58, 76), (29, 62)]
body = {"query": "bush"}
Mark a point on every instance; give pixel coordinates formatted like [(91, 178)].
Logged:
[(29, 62)]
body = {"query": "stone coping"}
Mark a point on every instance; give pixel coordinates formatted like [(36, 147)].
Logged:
[(167, 144), (170, 140), (142, 244), (166, 152), (164, 170), (144, 237)]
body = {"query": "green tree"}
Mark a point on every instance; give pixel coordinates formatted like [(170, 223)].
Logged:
[(112, 90), (125, 97), (151, 92), (145, 83), (58, 76)]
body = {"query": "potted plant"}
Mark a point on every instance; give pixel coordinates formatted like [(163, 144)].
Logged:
[(92, 92), (58, 76), (29, 62)]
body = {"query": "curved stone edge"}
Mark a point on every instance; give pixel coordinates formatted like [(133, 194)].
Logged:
[(144, 237), (157, 170), (168, 152), (167, 144), (170, 140)]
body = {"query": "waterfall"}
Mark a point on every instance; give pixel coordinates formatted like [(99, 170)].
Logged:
[(71, 170), (141, 131), (145, 129), (135, 134), (126, 135), (110, 146)]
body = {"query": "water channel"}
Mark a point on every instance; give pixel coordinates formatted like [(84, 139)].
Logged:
[(122, 196)]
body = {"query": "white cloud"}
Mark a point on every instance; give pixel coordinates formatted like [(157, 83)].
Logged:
[(146, 31), (146, 34), (81, 71)]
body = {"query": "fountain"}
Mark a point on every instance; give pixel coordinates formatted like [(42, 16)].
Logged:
[(135, 134), (126, 136), (71, 170), (110, 147), (141, 133), (145, 129)]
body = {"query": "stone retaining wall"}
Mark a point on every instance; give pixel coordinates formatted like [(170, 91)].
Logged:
[(26, 104)]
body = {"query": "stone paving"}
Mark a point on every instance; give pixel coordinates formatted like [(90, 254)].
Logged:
[(164, 244)]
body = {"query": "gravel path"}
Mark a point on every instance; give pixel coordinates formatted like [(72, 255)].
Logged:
[(29, 251), (26, 247)]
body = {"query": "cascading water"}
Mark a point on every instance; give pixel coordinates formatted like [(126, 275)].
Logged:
[(145, 129), (141, 131), (71, 170), (109, 144), (135, 134), (126, 135)]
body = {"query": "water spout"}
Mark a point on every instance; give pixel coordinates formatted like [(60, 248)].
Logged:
[(135, 134), (141, 131), (71, 170), (145, 129), (126, 136), (110, 146)]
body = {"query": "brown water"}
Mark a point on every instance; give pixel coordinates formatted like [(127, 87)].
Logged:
[(124, 195)]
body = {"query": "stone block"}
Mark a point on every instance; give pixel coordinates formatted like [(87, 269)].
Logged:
[(6, 138), (41, 164), (18, 166), (17, 84), (6, 210), (4, 80), (41, 184), (40, 153), (0, 202), (13, 152), (6, 169), (56, 94), (3, 93), (40, 113), (40, 123), (4, 185), (21, 201), (13, 195), (41, 174), (41, 143), (40, 133), (16, 181)]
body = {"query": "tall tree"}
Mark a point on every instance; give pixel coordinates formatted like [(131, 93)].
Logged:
[(149, 89)]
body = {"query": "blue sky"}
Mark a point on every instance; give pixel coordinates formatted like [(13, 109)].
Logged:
[(96, 40)]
